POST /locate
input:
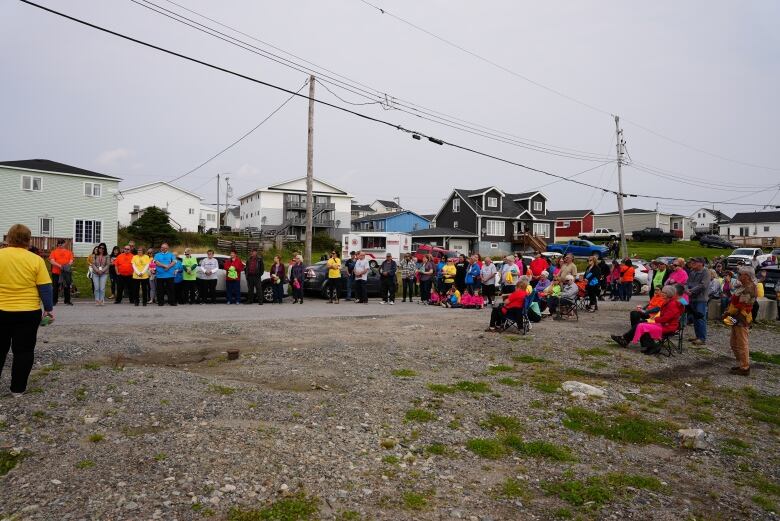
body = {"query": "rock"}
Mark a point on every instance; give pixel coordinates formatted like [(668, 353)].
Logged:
[(585, 389), (90, 419), (284, 487), (228, 488), (130, 505), (692, 439), (56, 482)]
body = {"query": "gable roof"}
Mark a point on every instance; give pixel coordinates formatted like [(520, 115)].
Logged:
[(632, 210), (146, 185), (386, 215), (508, 210), (756, 217), (568, 214), (428, 216), (719, 216), (388, 204), (44, 165), (361, 208), (279, 187)]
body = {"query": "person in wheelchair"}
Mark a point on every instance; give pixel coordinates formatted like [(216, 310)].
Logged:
[(643, 314), (568, 296), (511, 308), (650, 334)]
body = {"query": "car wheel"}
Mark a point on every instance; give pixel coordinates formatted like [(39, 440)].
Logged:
[(268, 292), (612, 238), (637, 288)]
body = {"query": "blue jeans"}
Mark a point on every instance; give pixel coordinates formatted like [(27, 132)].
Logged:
[(233, 291), (99, 286), (700, 324), (626, 290), (350, 281)]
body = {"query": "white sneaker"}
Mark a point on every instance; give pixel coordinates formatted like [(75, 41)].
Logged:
[(391, 302), (381, 301)]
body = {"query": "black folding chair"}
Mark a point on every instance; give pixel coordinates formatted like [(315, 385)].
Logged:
[(674, 341), (568, 309)]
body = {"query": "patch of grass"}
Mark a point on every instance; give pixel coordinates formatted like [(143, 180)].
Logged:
[(91, 366), (54, 366), (758, 356), (702, 416), (414, 501), (39, 415), (222, 389), (85, 464), (511, 382), (625, 428), (438, 449), (454, 425), (404, 373), (160, 456), (419, 415), (466, 386), (547, 387), (536, 404), (498, 422), (348, 515), (546, 381), (766, 408), (765, 486), (529, 359), (441, 388), (599, 490), (636, 376), (563, 513), (619, 480), (35, 390), (500, 368), (539, 449), (391, 460), (96, 437), (765, 503), (295, 508), (486, 448), (81, 394), (513, 489), (388, 443), (9, 459), (595, 351), (735, 447)]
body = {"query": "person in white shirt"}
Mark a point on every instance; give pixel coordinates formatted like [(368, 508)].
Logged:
[(208, 278), (488, 277), (361, 278)]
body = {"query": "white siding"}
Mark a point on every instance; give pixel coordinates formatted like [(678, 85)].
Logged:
[(62, 200), (208, 217), (754, 229), (183, 207)]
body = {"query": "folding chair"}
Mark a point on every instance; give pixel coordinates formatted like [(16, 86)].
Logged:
[(568, 309), (674, 341), (523, 325)]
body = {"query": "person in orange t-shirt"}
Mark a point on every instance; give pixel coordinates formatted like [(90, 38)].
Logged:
[(61, 260), (124, 275), (626, 280)]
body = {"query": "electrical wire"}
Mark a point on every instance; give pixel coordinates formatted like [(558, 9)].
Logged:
[(557, 92), (415, 134), (325, 85)]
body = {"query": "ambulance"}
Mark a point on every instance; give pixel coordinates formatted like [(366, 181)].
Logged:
[(377, 245)]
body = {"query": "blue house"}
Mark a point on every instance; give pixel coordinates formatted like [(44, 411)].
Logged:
[(404, 221)]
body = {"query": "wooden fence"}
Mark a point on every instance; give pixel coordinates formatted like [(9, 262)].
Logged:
[(756, 242)]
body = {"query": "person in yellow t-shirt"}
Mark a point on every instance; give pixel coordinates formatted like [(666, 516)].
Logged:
[(334, 277), (24, 284), (141, 264), (449, 271)]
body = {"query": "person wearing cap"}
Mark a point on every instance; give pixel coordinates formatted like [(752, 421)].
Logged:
[(658, 276), (61, 260), (387, 272), (254, 273), (698, 286), (569, 291)]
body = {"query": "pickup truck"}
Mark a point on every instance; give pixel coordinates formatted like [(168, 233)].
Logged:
[(600, 234), (746, 257), (578, 248), (653, 234)]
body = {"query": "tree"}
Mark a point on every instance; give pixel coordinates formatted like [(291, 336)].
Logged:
[(153, 227)]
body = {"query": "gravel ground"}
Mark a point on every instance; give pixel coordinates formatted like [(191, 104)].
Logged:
[(137, 414)]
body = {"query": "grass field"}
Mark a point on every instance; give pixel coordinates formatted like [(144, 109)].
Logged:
[(686, 249)]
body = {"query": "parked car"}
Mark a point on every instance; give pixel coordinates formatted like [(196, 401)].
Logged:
[(600, 234), (641, 274), (578, 248), (746, 257), (316, 275), (715, 241), (667, 260), (422, 249), (265, 279), (653, 234), (773, 258), (772, 282)]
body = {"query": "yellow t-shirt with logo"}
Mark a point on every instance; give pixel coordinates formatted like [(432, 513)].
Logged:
[(334, 268), (21, 272), (139, 263), (448, 272)]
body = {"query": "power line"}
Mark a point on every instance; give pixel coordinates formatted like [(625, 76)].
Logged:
[(557, 92), (415, 134)]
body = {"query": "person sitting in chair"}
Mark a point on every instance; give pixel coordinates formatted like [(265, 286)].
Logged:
[(511, 308), (642, 314), (569, 291), (649, 334)]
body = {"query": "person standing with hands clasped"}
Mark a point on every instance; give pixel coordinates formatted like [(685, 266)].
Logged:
[(141, 263), (189, 266), (408, 274), (334, 277), (233, 269), (254, 274), (277, 280), (361, 277), (24, 285), (208, 269), (297, 272), (166, 264), (387, 279), (61, 260)]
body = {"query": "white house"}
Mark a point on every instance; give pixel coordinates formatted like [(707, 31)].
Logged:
[(182, 206), (708, 220), (636, 219), (753, 224), (232, 218), (381, 206), (282, 208), (208, 217), (361, 210), (58, 200)]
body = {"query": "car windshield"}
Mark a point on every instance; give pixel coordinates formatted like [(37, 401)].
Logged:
[(743, 251)]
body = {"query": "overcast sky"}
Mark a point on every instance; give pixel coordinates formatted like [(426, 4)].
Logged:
[(706, 73)]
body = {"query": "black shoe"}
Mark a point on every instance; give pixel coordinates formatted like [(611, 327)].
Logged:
[(619, 340)]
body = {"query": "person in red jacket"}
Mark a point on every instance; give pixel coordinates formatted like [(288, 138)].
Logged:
[(649, 333), (511, 308), (233, 269), (538, 265)]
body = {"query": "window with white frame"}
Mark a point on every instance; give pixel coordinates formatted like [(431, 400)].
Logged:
[(192, 211), (542, 229), (495, 228), (93, 189), (32, 183), (538, 206), (675, 226), (211, 217), (565, 224), (88, 231), (455, 224), (456, 205), (766, 228), (46, 226), (492, 202)]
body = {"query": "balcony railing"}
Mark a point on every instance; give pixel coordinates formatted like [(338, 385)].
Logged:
[(322, 223), (298, 205)]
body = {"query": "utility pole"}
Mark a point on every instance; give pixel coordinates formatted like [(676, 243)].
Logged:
[(219, 216), (227, 194), (310, 176), (620, 143)]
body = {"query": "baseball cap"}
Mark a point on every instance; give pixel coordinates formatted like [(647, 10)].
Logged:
[(697, 259)]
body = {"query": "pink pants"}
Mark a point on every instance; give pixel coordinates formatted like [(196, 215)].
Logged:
[(654, 330)]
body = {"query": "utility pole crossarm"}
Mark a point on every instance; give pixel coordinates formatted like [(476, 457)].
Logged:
[(620, 195)]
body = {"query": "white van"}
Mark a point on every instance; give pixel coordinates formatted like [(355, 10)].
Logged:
[(377, 245)]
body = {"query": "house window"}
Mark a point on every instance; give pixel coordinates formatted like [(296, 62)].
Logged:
[(766, 228), (537, 206), (542, 229), (456, 206), (93, 189), (675, 226), (31, 183), (46, 226), (88, 231), (495, 228), (744, 231), (566, 224), (192, 211), (492, 202), (455, 224), (210, 217)]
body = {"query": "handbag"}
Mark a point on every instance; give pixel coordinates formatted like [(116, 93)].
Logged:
[(89, 273)]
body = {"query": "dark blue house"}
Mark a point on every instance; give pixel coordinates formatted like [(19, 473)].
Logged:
[(404, 221)]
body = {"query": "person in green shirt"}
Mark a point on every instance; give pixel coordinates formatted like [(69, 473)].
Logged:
[(189, 276), (659, 276)]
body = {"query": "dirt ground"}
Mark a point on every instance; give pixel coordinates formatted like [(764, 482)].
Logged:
[(416, 415)]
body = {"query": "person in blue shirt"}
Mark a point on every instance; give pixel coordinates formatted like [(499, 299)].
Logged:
[(178, 279), (439, 280), (473, 273), (166, 271)]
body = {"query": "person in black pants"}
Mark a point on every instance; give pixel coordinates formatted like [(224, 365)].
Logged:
[(387, 272)]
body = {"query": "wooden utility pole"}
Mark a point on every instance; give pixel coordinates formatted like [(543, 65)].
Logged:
[(310, 177), (620, 143), (219, 216)]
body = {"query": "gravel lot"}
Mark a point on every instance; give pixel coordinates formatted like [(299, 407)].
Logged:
[(136, 414)]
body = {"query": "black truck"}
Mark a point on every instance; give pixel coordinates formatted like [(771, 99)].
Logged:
[(653, 234)]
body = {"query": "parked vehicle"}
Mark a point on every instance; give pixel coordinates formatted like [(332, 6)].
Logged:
[(772, 282), (774, 258), (377, 244), (653, 234), (422, 249), (641, 275), (667, 260), (715, 241), (265, 279), (746, 257), (600, 234), (316, 275), (578, 248)]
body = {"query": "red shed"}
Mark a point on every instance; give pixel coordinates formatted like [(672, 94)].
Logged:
[(570, 223)]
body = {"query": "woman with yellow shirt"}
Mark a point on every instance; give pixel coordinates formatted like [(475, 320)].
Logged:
[(334, 277), (24, 284), (449, 271), (141, 263)]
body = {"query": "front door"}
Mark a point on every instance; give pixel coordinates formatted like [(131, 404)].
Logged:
[(460, 245)]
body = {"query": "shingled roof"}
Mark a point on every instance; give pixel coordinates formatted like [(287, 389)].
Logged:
[(44, 165)]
